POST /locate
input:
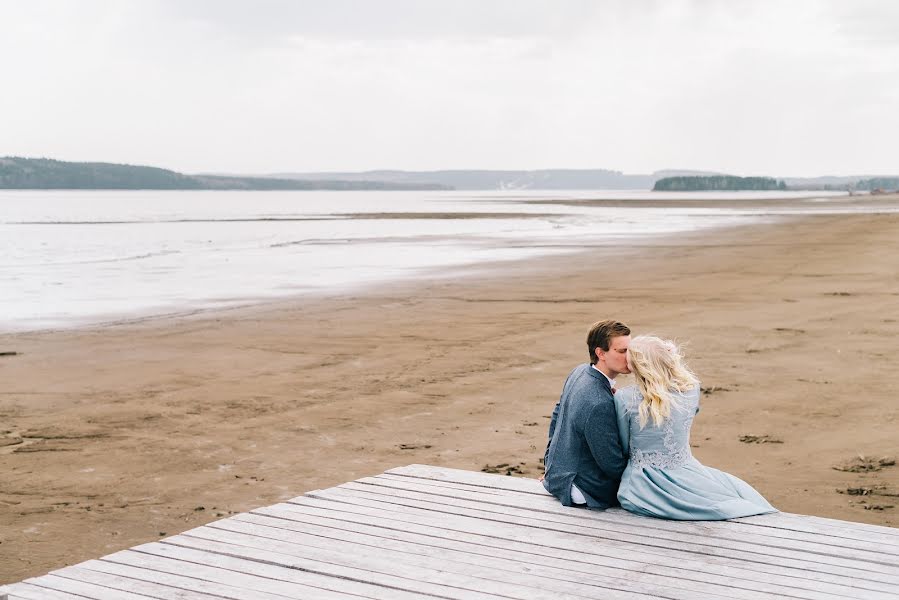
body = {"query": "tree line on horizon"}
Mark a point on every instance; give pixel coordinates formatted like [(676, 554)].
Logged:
[(48, 174), (717, 183), (732, 183), (878, 183)]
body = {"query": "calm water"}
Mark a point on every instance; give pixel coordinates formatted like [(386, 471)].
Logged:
[(70, 258)]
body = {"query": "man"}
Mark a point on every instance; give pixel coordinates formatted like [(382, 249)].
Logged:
[(584, 459)]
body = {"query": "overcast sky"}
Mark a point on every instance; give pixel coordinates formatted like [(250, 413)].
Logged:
[(747, 87)]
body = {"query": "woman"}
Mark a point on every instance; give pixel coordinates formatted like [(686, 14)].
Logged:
[(662, 478)]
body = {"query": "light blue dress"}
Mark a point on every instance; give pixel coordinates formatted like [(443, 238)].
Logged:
[(663, 480)]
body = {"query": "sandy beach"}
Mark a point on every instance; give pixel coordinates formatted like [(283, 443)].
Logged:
[(113, 436)]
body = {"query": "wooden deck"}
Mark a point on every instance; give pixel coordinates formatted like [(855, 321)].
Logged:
[(429, 532)]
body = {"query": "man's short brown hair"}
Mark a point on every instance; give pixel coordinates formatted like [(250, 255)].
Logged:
[(601, 334)]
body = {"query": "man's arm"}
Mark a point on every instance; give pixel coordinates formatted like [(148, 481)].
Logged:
[(552, 429), (555, 417), (601, 435), (552, 422)]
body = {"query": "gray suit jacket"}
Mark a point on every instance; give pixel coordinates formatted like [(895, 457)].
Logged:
[(584, 447)]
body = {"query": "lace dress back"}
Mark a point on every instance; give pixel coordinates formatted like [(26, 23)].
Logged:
[(667, 445)]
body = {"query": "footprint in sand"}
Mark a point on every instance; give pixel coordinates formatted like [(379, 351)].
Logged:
[(414, 446), (865, 464), (505, 469), (760, 439)]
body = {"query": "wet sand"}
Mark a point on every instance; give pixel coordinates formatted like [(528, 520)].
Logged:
[(114, 436)]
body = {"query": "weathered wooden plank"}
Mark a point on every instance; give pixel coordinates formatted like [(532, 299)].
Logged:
[(83, 589), (171, 589), (576, 562), (397, 578), (27, 591), (221, 588), (253, 575), (674, 583), (623, 533), (549, 510), (479, 479), (732, 529), (811, 524), (470, 578), (492, 568), (860, 531), (627, 546)]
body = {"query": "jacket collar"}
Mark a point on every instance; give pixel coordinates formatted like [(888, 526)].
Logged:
[(597, 374)]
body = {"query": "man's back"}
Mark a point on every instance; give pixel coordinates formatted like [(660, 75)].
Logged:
[(584, 447)]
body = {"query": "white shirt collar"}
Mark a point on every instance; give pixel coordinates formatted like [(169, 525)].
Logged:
[(611, 381)]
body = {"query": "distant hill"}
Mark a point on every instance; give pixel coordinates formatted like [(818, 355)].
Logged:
[(717, 183), (584, 179), (44, 173), (544, 179), (47, 174), (223, 182), (682, 173)]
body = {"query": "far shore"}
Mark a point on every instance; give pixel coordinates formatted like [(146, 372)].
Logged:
[(118, 435)]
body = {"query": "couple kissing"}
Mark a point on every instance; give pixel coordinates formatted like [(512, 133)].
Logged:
[(632, 446)]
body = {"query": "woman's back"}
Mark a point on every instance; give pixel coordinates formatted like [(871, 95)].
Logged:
[(665, 445)]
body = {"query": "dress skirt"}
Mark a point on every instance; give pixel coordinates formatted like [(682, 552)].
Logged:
[(689, 492)]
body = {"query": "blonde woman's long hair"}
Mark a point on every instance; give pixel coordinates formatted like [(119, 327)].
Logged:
[(659, 369)]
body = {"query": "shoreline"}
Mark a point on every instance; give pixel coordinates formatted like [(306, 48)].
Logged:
[(470, 270), (86, 308), (128, 430)]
